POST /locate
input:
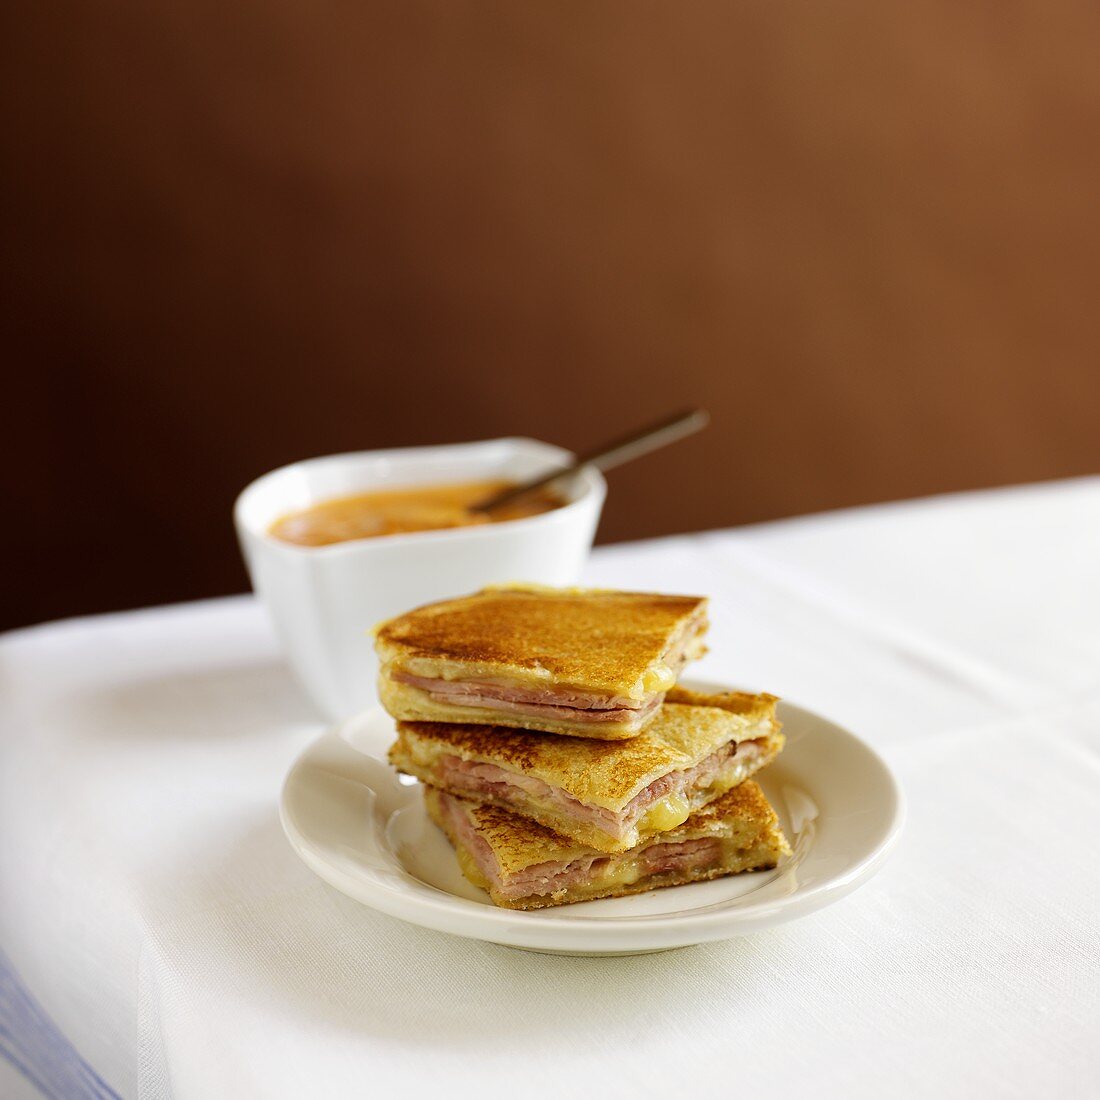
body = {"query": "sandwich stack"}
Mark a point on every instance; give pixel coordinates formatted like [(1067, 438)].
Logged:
[(558, 753)]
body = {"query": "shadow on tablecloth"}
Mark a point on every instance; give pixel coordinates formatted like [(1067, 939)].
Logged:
[(264, 939)]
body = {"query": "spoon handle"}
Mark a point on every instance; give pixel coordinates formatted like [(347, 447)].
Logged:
[(615, 453)]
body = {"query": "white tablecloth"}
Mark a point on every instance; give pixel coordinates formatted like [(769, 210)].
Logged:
[(160, 938)]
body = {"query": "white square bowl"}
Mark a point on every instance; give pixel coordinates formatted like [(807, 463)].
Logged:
[(324, 600)]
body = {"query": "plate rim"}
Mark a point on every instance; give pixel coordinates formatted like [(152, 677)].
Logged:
[(542, 929)]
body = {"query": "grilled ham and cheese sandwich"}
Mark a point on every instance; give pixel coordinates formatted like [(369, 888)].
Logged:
[(609, 795), (526, 866), (577, 662)]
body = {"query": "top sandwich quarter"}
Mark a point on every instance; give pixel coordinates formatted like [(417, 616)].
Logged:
[(580, 662)]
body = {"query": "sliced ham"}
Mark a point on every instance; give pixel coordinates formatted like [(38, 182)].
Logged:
[(479, 691), (549, 877), (530, 702), (687, 855), (553, 876), (487, 782), (468, 835)]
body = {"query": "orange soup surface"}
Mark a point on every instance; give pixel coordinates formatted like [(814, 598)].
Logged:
[(399, 511)]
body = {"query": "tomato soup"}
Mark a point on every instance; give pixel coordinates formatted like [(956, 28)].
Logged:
[(400, 511)]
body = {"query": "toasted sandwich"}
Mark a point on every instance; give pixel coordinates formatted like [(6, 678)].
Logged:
[(609, 795), (526, 866), (578, 662)]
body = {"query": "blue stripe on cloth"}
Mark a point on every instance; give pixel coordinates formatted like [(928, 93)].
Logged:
[(36, 1047)]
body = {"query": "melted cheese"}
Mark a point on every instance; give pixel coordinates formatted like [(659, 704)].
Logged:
[(731, 776), (725, 781), (658, 678), (665, 815), (623, 872)]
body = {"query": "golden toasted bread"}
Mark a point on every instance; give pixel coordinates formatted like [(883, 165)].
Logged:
[(585, 638), (593, 772), (591, 790), (526, 866)]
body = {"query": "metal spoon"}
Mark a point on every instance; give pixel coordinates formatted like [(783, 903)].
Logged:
[(622, 450)]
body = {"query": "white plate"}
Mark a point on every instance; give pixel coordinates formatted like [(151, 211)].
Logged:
[(364, 830)]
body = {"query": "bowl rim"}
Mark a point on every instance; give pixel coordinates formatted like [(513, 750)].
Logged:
[(593, 489)]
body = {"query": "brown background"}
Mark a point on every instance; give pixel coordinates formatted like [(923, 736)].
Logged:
[(865, 236)]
